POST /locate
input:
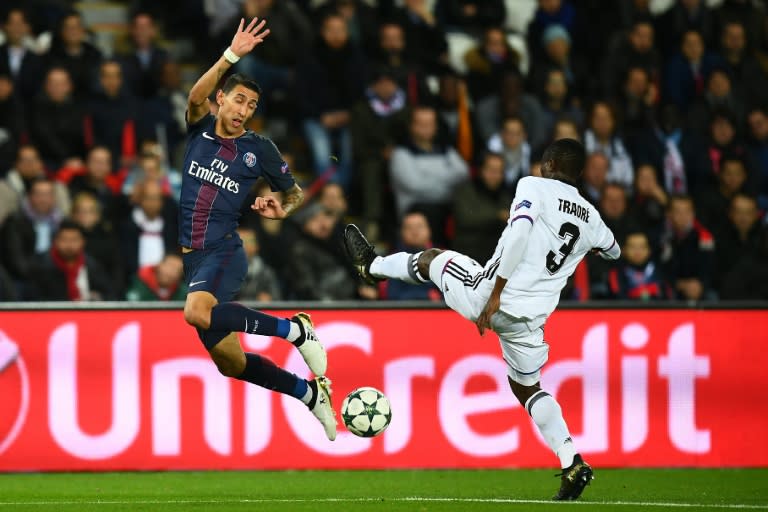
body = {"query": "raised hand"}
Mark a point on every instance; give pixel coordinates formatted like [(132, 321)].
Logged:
[(246, 39)]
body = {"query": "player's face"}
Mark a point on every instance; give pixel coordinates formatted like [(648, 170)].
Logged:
[(236, 108)]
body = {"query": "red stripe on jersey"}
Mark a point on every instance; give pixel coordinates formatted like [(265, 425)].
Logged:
[(227, 150), (202, 212)]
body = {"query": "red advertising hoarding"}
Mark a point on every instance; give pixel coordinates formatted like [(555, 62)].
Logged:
[(98, 390)]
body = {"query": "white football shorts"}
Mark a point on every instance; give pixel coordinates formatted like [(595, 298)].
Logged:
[(522, 339)]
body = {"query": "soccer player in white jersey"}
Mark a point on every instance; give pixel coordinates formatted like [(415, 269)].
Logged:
[(551, 228)]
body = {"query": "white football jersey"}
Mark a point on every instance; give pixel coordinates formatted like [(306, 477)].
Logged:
[(565, 226)]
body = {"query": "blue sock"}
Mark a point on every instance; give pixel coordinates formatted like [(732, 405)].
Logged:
[(263, 372), (234, 317)]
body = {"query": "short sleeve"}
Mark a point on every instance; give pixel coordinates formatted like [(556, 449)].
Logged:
[(527, 205), (195, 128), (273, 168)]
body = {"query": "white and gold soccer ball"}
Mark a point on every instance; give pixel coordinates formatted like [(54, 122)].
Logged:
[(366, 412)]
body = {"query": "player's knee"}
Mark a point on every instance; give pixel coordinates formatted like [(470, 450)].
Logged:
[(425, 260), (523, 392), (228, 366), (197, 316)]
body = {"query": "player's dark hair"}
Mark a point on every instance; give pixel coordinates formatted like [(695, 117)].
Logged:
[(238, 79), (67, 225), (567, 157)]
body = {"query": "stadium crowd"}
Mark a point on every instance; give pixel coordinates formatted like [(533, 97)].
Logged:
[(416, 119)]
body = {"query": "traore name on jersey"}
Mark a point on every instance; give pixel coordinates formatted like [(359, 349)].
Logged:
[(566, 206), (218, 174)]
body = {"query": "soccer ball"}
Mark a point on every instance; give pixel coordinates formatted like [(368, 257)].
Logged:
[(366, 412)]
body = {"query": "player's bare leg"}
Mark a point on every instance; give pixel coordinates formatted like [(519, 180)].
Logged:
[(408, 267), (229, 357), (548, 416)]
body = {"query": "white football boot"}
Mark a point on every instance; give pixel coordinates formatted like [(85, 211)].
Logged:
[(322, 408), (311, 350)]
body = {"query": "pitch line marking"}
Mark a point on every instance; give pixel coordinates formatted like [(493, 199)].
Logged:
[(415, 499)]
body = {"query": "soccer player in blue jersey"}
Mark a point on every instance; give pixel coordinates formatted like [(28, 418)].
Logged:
[(222, 161)]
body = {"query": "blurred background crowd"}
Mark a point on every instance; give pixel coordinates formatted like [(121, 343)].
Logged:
[(413, 118)]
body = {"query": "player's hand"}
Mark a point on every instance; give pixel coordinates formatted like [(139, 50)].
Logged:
[(483, 322), (246, 39), (269, 207)]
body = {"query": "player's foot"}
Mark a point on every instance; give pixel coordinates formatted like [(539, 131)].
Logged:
[(309, 346), (574, 479), (361, 252), (321, 407)]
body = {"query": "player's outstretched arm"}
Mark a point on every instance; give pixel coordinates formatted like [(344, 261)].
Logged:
[(245, 40), (270, 208)]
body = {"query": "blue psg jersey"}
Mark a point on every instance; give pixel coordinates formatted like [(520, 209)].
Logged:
[(218, 174)]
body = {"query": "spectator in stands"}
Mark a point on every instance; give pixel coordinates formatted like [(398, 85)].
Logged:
[(71, 50), (749, 279), (95, 180), (722, 142), (67, 272), (376, 123), (454, 118), (159, 282), (424, 36), (558, 55), (470, 16), (415, 236), (635, 50), (290, 37), (424, 174), (713, 202), (150, 232), (488, 61), (511, 101), (613, 209), (649, 204), (557, 101), (719, 97), (17, 60), (686, 72), (261, 282), (594, 177), (11, 125), (635, 104), (681, 17), (143, 66), (112, 115), (687, 251), (361, 18), (7, 286), (163, 116), (15, 186), (549, 12), (29, 231), (57, 119), (749, 80), (481, 210), (332, 198), (602, 136), (100, 237), (565, 128), (391, 53), (738, 239), (758, 152), (637, 276), (318, 271), (151, 168), (329, 81), (671, 149), (512, 145)]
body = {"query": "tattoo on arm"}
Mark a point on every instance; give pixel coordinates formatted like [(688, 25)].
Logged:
[(292, 199)]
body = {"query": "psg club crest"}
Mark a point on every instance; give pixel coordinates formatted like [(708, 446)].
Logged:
[(249, 159)]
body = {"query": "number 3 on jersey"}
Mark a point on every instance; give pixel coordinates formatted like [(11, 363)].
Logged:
[(570, 233)]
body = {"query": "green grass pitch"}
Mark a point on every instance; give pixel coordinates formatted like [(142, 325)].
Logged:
[(361, 491)]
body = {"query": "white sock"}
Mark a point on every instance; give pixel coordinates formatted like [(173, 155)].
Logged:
[(401, 265), (308, 395), (548, 416), (294, 333)]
